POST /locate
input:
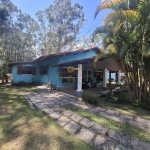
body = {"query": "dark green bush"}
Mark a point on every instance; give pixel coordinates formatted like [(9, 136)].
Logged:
[(145, 102), (122, 97), (90, 98), (20, 83)]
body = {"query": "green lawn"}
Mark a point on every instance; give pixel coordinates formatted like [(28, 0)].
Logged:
[(126, 109), (123, 128), (22, 128)]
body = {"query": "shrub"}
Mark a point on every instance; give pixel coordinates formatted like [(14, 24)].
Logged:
[(145, 102), (111, 98), (20, 83), (90, 98), (122, 97)]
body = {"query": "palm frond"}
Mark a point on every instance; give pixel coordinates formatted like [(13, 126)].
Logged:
[(105, 30), (117, 27), (111, 48), (107, 41), (144, 8), (129, 16), (111, 4)]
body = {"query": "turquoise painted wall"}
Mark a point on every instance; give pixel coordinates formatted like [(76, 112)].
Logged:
[(24, 77), (53, 72)]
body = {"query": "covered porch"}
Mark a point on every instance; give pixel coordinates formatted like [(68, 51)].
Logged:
[(77, 72)]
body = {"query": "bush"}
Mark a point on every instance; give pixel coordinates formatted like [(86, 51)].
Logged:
[(122, 97), (111, 98), (89, 98), (20, 83), (23, 83), (145, 102)]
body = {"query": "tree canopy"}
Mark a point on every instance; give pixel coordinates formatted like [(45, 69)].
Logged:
[(59, 24), (17, 36), (127, 37), (21, 36)]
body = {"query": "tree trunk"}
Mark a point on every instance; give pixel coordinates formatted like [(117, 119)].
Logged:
[(140, 87), (6, 78), (3, 78), (128, 84)]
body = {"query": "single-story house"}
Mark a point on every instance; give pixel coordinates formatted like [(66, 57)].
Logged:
[(55, 68)]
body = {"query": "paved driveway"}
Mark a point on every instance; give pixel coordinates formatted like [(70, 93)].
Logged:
[(52, 103)]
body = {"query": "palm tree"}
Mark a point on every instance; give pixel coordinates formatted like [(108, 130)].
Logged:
[(127, 32)]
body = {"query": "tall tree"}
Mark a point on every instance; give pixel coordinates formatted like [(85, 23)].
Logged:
[(60, 23), (17, 36), (127, 32)]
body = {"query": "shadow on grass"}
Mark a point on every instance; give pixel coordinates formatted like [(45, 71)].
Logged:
[(126, 109), (111, 124), (31, 129)]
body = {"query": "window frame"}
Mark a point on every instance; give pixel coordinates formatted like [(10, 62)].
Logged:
[(26, 69)]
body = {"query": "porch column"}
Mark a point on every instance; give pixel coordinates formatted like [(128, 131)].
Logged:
[(119, 77), (79, 86), (104, 77), (109, 77)]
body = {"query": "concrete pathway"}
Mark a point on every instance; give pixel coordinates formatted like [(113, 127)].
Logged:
[(101, 137)]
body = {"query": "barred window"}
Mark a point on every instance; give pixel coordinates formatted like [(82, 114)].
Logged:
[(44, 70), (26, 70)]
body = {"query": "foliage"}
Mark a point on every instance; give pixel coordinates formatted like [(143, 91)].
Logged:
[(127, 37), (90, 98), (23, 83), (17, 36), (18, 39), (122, 97), (3, 71), (59, 24)]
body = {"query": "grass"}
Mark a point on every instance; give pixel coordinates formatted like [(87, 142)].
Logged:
[(123, 128), (22, 128), (126, 109), (122, 108)]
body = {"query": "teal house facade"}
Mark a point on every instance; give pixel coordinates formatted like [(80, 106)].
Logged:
[(54, 68), (66, 70)]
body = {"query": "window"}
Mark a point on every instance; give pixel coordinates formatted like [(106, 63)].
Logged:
[(89, 74), (26, 70), (44, 70)]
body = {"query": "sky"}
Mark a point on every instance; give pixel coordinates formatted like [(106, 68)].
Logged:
[(89, 8)]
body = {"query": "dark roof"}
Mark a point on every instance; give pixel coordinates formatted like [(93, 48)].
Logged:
[(81, 61), (65, 53), (15, 63), (54, 55)]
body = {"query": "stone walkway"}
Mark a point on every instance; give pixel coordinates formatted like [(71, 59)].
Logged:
[(101, 137)]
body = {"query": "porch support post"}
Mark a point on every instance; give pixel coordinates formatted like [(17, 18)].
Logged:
[(79, 86), (109, 77), (119, 77), (104, 77)]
